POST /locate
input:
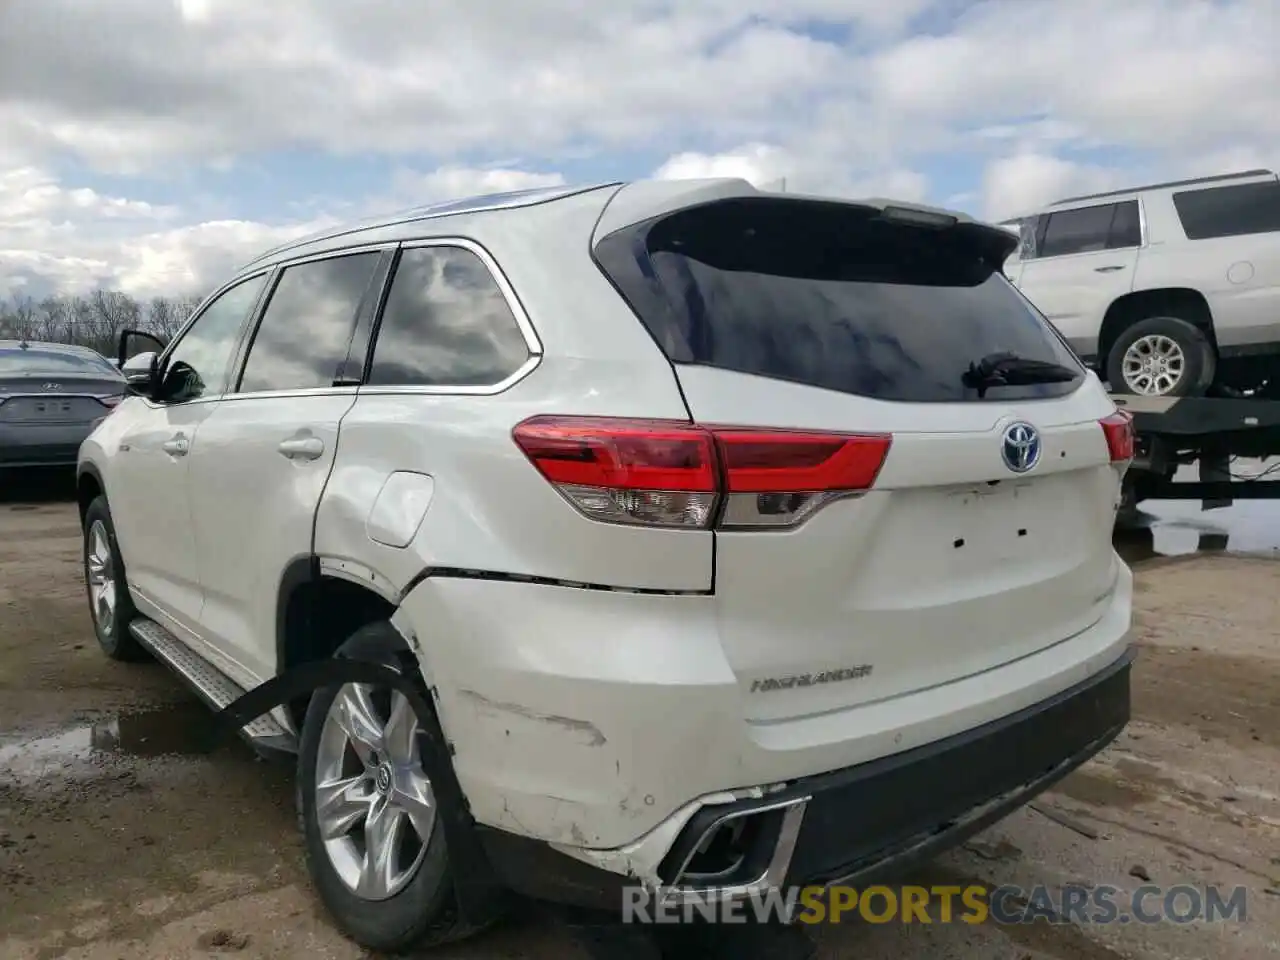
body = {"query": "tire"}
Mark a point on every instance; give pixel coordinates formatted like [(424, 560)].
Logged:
[(1166, 338), (395, 913), (110, 605)]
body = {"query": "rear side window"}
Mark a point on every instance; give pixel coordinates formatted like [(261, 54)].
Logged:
[(446, 323), (831, 295), (1234, 211), (306, 329)]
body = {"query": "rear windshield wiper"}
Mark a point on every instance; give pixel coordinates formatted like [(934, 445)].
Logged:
[(1009, 369)]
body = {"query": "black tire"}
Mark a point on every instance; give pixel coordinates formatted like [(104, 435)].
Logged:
[(421, 914), (113, 636), (1201, 362)]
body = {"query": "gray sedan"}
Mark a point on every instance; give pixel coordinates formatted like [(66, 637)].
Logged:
[(51, 396)]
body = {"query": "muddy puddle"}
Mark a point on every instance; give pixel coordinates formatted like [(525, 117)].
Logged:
[(173, 731), (1169, 528)]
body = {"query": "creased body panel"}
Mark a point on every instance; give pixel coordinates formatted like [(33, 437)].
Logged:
[(587, 717), (490, 510)]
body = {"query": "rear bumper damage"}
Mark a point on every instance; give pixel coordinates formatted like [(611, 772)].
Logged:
[(851, 826)]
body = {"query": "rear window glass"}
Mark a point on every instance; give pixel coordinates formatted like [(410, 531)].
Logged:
[(831, 295), (1239, 210), (36, 362)]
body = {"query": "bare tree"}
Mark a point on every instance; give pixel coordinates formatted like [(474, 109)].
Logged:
[(164, 316), (20, 319), (94, 320)]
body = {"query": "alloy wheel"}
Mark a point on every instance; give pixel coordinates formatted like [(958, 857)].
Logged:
[(374, 803)]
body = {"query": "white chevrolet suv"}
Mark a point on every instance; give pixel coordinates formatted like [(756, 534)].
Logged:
[(1168, 289), (735, 540)]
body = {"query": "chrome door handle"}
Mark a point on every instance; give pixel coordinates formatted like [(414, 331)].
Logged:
[(176, 446), (1111, 269), (302, 448)]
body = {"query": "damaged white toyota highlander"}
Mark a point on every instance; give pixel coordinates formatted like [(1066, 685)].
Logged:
[(725, 541)]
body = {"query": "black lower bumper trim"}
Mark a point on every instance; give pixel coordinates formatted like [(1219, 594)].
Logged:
[(535, 870), (863, 816), (880, 817), (41, 455)]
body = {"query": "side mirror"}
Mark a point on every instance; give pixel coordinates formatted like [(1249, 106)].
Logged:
[(140, 373), (136, 343)]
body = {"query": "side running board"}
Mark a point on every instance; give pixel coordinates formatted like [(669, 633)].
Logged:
[(264, 734)]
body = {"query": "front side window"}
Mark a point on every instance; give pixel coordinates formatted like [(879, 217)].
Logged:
[(446, 323), (1027, 231), (1126, 226), (1077, 231), (197, 366), (306, 327)]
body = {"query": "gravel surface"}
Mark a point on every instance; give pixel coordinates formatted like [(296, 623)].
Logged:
[(118, 839)]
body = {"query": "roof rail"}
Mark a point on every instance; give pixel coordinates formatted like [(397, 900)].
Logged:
[(1260, 172), (474, 204)]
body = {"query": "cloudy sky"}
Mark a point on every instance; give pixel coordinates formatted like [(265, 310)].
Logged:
[(151, 145)]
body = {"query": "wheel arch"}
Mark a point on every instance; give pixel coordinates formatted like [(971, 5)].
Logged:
[(1185, 303), (318, 611), (89, 487)]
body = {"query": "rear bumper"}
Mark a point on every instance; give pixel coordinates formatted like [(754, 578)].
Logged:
[(601, 721), (865, 822), (42, 445)]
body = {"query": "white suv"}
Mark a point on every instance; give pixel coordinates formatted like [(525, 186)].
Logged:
[(1168, 289), (735, 540)]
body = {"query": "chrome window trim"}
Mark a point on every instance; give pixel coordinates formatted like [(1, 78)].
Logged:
[(532, 342), (246, 347), (162, 357), (300, 392), (527, 331), (199, 311), (382, 247)]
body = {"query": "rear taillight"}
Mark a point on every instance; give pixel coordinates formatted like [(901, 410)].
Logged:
[(112, 401), (648, 472), (676, 474), (1118, 429)]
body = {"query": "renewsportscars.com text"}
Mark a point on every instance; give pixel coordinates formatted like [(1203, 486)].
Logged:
[(972, 904)]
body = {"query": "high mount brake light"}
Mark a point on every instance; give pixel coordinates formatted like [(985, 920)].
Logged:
[(676, 474), (1121, 439)]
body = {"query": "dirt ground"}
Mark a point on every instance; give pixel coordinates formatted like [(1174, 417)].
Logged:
[(117, 841)]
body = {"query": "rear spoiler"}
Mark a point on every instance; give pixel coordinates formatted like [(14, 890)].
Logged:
[(651, 200)]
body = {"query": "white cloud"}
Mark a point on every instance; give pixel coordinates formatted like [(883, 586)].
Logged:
[(993, 105), (74, 238), (764, 165), (29, 195), (59, 238), (411, 188), (195, 258), (1016, 184), (194, 11), (757, 163)]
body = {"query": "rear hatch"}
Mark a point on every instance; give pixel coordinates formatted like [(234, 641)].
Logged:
[(985, 533)]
